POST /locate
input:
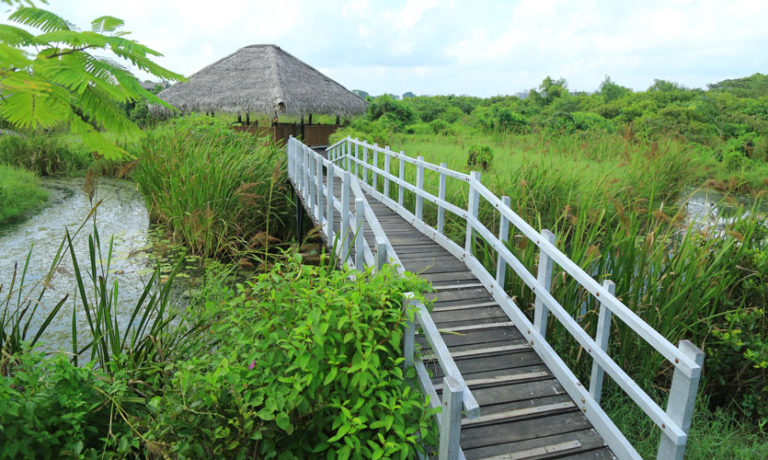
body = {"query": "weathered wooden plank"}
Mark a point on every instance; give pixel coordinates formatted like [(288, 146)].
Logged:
[(458, 276), (548, 450), (502, 379), (483, 351), (520, 430), (463, 306), (477, 314), (603, 453), (482, 336), (589, 440)]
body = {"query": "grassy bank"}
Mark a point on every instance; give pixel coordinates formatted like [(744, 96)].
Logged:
[(20, 193)]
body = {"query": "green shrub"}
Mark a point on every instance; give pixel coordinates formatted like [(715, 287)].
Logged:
[(302, 363), (218, 192), (20, 192), (54, 409), (480, 156), (42, 154)]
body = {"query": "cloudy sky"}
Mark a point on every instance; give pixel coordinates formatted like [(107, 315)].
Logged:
[(475, 47)]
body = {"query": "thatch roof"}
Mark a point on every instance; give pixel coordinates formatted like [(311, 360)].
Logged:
[(262, 79)]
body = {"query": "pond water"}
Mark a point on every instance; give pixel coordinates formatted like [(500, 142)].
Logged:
[(711, 209), (121, 214)]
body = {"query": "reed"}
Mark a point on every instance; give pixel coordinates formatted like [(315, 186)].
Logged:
[(217, 192)]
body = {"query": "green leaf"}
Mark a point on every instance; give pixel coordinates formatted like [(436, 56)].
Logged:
[(284, 422), (106, 24)]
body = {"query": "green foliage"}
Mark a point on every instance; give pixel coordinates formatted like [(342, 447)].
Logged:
[(480, 156), (54, 409), (42, 154), (20, 192), (301, 363), (218, 192), (58, 78), (754, 86), (397, 112)]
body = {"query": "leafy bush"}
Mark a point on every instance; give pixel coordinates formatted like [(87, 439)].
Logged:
[(42, 154), (218, 192), (20, 192), (54, 409), (301, 363), (398, 111), (480, 156)]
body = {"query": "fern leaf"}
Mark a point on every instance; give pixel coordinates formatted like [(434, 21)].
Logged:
[(106, 24), (40, 19), (15, 36)]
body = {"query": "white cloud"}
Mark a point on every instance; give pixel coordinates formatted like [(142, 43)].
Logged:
[(484, 47)]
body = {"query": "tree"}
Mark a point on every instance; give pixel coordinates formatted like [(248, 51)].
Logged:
[(52, 78), (612, 91)]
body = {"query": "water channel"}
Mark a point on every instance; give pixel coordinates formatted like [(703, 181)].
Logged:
[(121, 214)]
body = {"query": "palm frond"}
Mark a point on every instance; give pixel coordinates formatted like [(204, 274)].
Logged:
[(40, 19), (106, 24)]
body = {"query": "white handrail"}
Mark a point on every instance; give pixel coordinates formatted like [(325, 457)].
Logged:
[(305, 170), (686, 359)]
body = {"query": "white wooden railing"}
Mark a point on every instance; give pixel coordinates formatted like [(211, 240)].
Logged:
[(313, 178), (364, 164)]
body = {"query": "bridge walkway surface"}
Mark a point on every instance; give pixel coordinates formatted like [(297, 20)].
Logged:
[(504, 392)]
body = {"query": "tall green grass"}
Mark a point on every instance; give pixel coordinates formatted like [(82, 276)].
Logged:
[(44, 154), (217, 192)]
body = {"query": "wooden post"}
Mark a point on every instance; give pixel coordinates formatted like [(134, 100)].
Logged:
[(501, 264), (381, 254), (440, 208), (359, 234), (329, 212), (401, 175), (540, 311), (682, 399), (450, 420), (239, 118), (602, 336), (386, 176), (473, 203), (409, 339), (374, 174), (247, 118), (309, 122), (419, 187), (365, 163), (356, 158), (344, 230), (320, 211)]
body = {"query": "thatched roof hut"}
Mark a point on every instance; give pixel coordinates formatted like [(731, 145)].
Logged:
[(262, 79)]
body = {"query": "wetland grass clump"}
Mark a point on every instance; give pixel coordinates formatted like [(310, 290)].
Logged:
[(20, 192), (219, 193)]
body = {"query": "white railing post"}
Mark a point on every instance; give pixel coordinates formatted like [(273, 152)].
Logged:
[(409, 339), (303, 173), (450, 420), (501, 264), (312, 184), (289, 151), (329, 211), (359, 234), (381, 254), (441, 195), (344, 230), (540, 311), (345, 152), (357, 157), (682, 399), (419, 187), (473, 203), (365, 163), (386, 176), (601, 337), (401, 175), (319, 178), (374, 174)]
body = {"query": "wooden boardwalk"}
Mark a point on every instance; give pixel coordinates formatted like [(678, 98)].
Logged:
[(508, 394), (525, 412)]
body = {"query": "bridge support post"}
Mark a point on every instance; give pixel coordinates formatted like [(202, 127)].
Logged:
[(540, 311), (450, 420), (682, 399), (344, 230), (329, 211), (357, 157), (473, 202), (419, 211), (602, 336), (386, 176), (359, 234), (374, 174), (401, 175), (365, 164), (501, 264), (441, 195), (381, 255)]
